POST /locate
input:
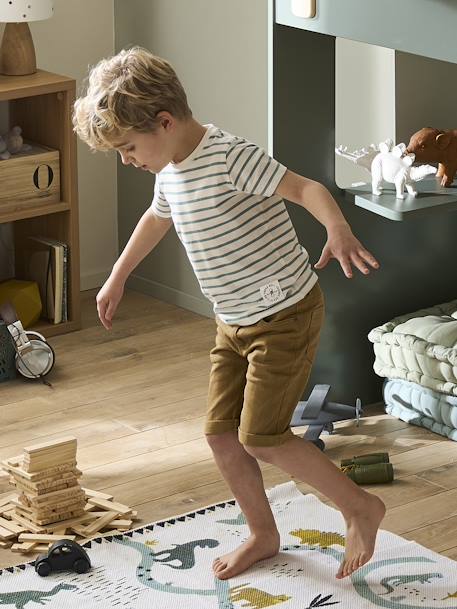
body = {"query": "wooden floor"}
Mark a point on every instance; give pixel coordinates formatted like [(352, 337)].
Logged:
[(135, 400)]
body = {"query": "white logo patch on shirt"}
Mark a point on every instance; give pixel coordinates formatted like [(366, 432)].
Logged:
[(272, 293)]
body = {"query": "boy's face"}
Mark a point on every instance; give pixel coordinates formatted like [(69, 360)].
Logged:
[(150, 151)]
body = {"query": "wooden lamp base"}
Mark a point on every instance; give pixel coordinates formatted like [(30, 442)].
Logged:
[(17, 53)]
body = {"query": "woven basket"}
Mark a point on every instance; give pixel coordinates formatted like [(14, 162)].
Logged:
[(7, 355)]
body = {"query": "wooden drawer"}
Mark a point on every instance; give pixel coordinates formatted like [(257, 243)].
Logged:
[(30, 178)]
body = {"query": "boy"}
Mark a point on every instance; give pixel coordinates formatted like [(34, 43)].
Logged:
[(224, 196)]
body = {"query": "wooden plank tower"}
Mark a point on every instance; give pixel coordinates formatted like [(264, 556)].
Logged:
[(47, 480), (50, 503)]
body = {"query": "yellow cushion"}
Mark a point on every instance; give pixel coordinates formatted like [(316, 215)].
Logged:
[(25, 298)]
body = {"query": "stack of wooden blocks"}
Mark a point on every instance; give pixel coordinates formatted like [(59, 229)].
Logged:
[(51, 504), (52, 493)]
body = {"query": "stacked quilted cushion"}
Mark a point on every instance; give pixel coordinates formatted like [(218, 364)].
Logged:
[(421, 406), (417, 353)]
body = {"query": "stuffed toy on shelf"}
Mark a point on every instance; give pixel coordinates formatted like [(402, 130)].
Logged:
[(436, 146), (12, 143)]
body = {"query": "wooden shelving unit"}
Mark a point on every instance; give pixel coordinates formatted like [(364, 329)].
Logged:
[(42, 105)]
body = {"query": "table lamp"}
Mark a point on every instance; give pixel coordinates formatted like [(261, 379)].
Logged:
[(17, 53)]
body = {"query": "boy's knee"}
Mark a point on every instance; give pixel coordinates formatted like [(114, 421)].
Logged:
[(219, 442), (261, 453)]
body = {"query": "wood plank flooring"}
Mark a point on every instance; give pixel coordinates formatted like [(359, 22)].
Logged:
[(135, 400)]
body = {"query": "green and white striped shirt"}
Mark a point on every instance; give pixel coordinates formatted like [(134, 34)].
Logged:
[(237, 233)]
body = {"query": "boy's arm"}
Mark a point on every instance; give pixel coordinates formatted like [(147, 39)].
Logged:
[(147, 234), (341, 243)]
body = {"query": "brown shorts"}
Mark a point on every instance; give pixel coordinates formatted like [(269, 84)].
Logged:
[(259, 372)]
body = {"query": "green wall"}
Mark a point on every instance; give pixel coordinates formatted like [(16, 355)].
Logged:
[(417, 257), (418, 267)]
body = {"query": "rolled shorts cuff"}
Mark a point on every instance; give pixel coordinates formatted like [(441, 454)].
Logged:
[(250, 439), (217, 427)]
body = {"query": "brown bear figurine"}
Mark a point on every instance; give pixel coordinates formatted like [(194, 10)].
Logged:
[(436, 146)]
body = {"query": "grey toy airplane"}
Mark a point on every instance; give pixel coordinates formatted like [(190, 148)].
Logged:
[(319, 414)]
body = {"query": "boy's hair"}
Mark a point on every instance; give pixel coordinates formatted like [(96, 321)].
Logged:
[(126, 92)]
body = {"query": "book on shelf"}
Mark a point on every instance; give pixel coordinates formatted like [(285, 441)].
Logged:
[(47, 265)]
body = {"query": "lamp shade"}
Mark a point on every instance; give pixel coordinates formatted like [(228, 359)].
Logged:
[(16, 11)]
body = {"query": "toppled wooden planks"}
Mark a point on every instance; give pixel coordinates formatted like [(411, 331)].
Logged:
[(99, 523), (10, 525), (25, 537), (109, 505), (51, 504), (98, 494), (41, 537)]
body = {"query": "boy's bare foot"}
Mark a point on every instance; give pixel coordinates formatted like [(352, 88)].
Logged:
[(255, 548), (362, 527)]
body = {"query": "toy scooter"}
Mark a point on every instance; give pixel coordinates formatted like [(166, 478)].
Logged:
[(319, 414)]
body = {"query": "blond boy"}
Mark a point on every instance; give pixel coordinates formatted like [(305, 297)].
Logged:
[(224, 196)]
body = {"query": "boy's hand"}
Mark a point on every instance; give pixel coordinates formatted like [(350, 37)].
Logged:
[(344, 247), (108, 299)]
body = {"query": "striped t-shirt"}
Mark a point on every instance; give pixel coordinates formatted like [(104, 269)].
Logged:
[(237, 233)]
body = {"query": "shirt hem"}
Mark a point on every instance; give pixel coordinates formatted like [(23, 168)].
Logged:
[(249, 321)]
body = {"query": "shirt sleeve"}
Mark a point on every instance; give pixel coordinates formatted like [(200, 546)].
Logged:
[(159, 205), (252, 170)]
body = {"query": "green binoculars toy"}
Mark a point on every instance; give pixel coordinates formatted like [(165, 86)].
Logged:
[(374, 468)]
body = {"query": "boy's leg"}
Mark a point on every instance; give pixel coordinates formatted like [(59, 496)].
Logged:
[(280, 360), (239, 469), (242, 473), (362, 511)]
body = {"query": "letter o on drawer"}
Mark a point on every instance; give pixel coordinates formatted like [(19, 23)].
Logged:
[(43, 177)]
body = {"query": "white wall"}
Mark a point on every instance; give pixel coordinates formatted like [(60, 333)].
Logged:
[(80, 33), (219, 49), (364, 102)]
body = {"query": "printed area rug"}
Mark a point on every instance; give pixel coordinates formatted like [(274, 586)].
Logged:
[(167, 565)]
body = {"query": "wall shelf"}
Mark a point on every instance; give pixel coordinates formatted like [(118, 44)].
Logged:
[(431, 198)]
